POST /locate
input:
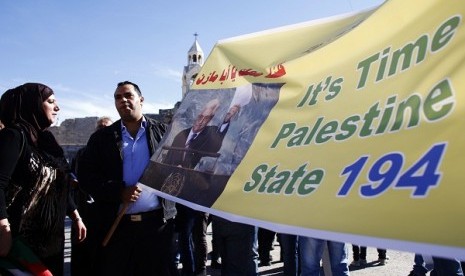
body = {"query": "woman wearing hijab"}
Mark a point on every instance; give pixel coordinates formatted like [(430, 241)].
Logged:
[(34, 176)]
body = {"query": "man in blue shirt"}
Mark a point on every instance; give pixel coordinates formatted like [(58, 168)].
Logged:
[(114, 161)]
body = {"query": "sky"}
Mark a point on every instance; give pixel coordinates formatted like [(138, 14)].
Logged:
[(82, 49)]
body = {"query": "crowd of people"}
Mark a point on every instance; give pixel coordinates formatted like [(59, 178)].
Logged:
[(120, 226)]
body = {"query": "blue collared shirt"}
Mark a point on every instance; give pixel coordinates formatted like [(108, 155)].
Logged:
[(136, 157)]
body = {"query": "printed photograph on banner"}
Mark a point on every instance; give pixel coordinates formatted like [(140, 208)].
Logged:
[(210, 134)]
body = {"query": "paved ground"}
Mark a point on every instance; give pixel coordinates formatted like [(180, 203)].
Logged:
[(399, 263)]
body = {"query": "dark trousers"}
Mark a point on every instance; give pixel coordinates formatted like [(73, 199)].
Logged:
[(449, 267), (215, 253), (290, 254), (139, 247), (265, 244), (192, 240), (236, 244), (360, 252), (83, 254)]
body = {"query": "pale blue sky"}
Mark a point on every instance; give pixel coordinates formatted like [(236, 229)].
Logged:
[(81, 49)]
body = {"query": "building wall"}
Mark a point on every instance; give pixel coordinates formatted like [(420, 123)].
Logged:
[(73, 134)]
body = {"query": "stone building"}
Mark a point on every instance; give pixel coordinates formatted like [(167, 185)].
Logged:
[(73, 134)]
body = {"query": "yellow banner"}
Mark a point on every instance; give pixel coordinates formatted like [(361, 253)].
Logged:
[(348, 128)]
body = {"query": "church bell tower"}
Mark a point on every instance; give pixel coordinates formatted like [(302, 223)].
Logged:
[(195, 59)]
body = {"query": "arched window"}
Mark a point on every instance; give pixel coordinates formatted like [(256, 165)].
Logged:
[(192, 80)]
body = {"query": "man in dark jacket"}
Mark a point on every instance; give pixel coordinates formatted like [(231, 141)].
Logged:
[(83, 253), (114, 161)]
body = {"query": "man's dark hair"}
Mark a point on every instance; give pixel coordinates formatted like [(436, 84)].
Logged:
[(131, 83)]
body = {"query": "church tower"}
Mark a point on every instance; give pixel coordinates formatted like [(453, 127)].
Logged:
[(195, 59)]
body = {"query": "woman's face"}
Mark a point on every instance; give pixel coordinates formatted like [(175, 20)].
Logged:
[(51, 108)]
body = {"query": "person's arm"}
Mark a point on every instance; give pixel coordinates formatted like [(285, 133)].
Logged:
[(73, 213), (79, 225), (5, 237), (10, 150)]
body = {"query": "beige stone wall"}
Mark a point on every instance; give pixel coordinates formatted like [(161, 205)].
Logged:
[(74, 131)]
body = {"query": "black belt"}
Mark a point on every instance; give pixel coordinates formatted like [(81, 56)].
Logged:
[(157, 213)]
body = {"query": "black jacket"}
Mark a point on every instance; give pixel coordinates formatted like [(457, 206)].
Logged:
[(100, 170)]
